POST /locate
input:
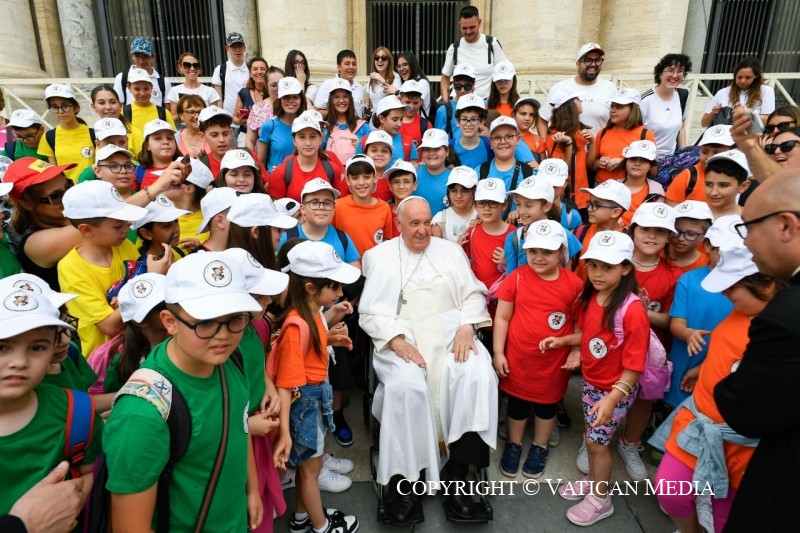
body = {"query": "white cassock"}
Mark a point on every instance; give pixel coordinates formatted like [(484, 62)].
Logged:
[(423, 411)]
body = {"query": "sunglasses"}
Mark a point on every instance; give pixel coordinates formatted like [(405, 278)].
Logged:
[(55, 197), (381, 58), (189, 66), (782, 127), (463, 86), (786, 146)]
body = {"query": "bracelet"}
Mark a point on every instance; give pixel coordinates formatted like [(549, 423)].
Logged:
[(615, 386), (146, 190), (624, 383)]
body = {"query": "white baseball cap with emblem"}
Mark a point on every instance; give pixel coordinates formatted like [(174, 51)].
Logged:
[(108, 127), (627, 95), (237, 159), (213, 203), (306, 121), (719, 134), (503, 70), (434, 138), (289, 86), (211, 111), (411, 86), (644, 149), (464, 176), (612, 247), (141, 295), (161, 209), (259, 280), (24, 310), (400, 166), (389, 103), (138, 74), (340, 83), (613, 191), (317, 259), (589, 47), (98, 199), (723, 230), (470, 100), (546, 234), (378, 136), (257, 210), (363, 158), (157, 125), (736, 156), (200, 175), (535, 188), (316, 185), (655, 215), (30, 282), (735, 263), (209, 285), (694, 209), (555, 170), (108, 150), (464, 70), (559, 96), (492, 189), (25, 118), (58, 90), (503, 120)]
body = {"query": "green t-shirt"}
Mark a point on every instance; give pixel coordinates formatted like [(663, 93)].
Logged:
[(9, 265), (254, 366), (112, 381), (79, 377), (20, 150), (136, 443), (29, 454), (87, 174)]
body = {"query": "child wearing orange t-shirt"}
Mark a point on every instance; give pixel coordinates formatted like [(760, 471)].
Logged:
[(526, 113), (639, 166), (684, 251)]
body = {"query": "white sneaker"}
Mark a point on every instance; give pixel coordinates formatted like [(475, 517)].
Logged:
[(555, 438), (330, 481), (582, 462), (338, 464), (287, 481), (633, 463)]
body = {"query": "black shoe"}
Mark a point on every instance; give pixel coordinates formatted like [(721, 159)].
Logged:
[(562, 418), (343, 433), (460, 504), (404, 509)]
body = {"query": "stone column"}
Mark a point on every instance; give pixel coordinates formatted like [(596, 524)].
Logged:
[(240, 16), (19, 58), (79, 33)]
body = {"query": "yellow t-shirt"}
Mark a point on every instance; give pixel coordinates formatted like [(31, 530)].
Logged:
[(135, 142), (72, 146), (190, 224), (90, 282), (141, 115)]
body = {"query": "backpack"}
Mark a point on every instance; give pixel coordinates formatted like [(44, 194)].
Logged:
[(690, 185), (673, 164), (340, 142), (161, 86), (489, 46), (100, 359), (127, 112), (149, 385), (287, 175), (50, 136), (431, 114), (294, 232), (79, 428), (448, 111), (11, 147), (581, 231), (272, 363), (139, 172), (519, 168), (655, 380), (223, 69)]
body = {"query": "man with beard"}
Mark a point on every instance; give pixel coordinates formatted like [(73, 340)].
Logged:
[(596, 94)]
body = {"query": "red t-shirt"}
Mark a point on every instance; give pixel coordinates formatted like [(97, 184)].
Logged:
[(602, 364), (660, 284), (535, 376), (149, 177), (277, 186), (479, 249), (411, 130)]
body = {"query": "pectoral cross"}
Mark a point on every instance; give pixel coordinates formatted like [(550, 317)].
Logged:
[(401, 301)]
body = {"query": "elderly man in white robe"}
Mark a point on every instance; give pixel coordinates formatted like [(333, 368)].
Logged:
[(437, 396)]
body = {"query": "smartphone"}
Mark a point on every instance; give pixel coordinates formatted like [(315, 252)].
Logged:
[(160, 256), (757, 125), (244, 112)]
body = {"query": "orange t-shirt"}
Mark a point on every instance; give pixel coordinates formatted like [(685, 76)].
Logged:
[(581, 180), (676, 192), (611, 143), (505, 109), (295, 369), (702, 260), (367, 225), (535, 143), (726, 347)]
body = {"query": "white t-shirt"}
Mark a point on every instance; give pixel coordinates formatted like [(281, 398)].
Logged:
[(235, 78), (205, 92), (477, 55), (596, 101), (155, 97), (454, 224), (664, 118), (723, 97), (311, 92), (324, 92)]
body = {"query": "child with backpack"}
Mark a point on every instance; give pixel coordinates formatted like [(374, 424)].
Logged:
[(433, 173), (158, 151), (141, 110), (726, 178), (557, 172), (693, 220), (107, 132), (460, 214), (316, 276), (402, 178), (610, 368), (378, 147), (640, 165), (471, 148), (345, 130), (503, 92), (414, 125), (689, 184), (526, 113), (530, 378), (511, 161), (388, 117), (71, 141), (27, 128)]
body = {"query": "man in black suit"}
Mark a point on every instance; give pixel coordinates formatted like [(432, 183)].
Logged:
[(761, 398)]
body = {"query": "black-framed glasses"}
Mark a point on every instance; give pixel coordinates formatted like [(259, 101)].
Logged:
[(189, 66), (780, 127), (500, 138), (785, 146), (463, 86), (742, 228), (55, 197), (381, 58), (592, 61), (192, 113), (298, 62), (207, 329), (117, 168), (25, 138), (474, 121), (324, 205), (491, 204), (689, 235), (62, 107), (591, 205), (72, 321)]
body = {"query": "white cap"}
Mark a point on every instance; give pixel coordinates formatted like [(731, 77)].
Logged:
[(589, 47), (560, 95), (545, 234), (157, 125), (237, 159), (493, 189), (528, 100), (138, 74), (58, 90), (503, 120), (400, 166), (257, 210), (379, 136), (305, 120), (694, 209), (162, 209), (200, 175), (259, 280), (209, 285), (503, 70), (289, 86), (723, 230), (535, 188), (732, 155), (340, 83), (288, 206), (213, 203), (735, 263), (389, 103), (24, 118), (464, 69), (612, 247), (655, 215), (209, 112), (410, 86), (317, 259), (470, 100), (140, 295), (613, 191), (30, 282), (97, 198), (26, 310), (5, 188), (464, 176), (106, 127), (719, 134), (363, 158), (316, 185), (434, 138), (645, 149), (108, 150), (627, 95), (556, 170)]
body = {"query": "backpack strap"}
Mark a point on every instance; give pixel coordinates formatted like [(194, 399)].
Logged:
[(448, 111), (683, 96), (692, 183), (127, 112), (489, 49), (328, 171), (79, 428), (50, 136), (455, 52), (162, 114), (515, 238), (423, 125), (581, 232), (619, 317), (643, 136), (124, 83), (342, 238), (272, 363), (223, 68), (162, 87), (484, 171), (287, 174), (11, 147), (262, 330), (139, 173), (515, 176), (74, 353)]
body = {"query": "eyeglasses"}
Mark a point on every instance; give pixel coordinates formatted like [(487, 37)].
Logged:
[(320, 205), (689, 235), (25, 138), (673, 71), (491, 204), (593, 61), (500, 138), (117, 168), (786, 146), (54, 198), (381, 58), (62, 107), (206, 329), (463, 86), (190, 66), (472, 121), (781, 127), (458, 191), (742, 228), (298, 62), (192, 113), (591, 205), (72, 321)]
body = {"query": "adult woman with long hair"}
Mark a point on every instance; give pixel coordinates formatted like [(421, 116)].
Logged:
[(408, 69), (253, 92), (297, 65), (190, 140), (782, 119), (263, 110), (190, 67), (381, 77), (663, 107), (747, 89)]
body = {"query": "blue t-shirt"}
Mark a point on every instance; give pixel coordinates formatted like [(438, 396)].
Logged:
[(432, 188), (701, 310), (332, 238), (441, 119), (482, 153), (519, 256), (398, 150), (570, 220), (278, 136)]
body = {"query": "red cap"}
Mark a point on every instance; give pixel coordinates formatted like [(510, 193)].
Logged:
[(28, 171)]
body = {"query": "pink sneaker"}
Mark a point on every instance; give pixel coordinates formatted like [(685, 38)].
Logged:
[(590, 511), (575, 490)]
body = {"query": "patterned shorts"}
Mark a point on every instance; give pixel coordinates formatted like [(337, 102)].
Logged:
[(602, 434)]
